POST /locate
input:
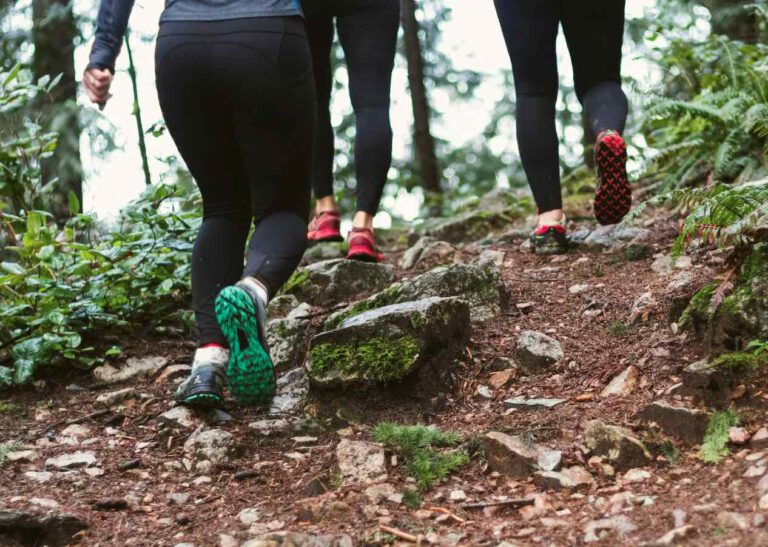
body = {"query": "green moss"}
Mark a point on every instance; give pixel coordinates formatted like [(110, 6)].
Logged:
[(699, 307), (618, 328), (296, 282), (377, 358), (9, 408), (384, 298), (739, 362)]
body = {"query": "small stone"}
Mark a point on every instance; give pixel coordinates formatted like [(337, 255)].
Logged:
[(379, 492), (202, 480), (128, 464), (27, 456), (226, 540), (71, 461), (500, 379), (618, 444), (509, 455), (45, 503), (755, 471), (179, 417), (457, 495), (572, 478), (111, 504), (177, 498), (623, 384), (549, 460), (760, 438), (536, 351), (636, 475), (94, 471), (578, 289), (361, 462), (271, 426), (115, 397), (134, 368), (249, 516), (674, 536), (39, 476), (738, 436), (305, 440), (213, 445), (643, 307), (679, 518), (619, 524), (762, 485), (483, 392), (729, 519), (521, 403), (75, 431)]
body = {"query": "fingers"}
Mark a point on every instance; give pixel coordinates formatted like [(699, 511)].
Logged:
[(97, 83)]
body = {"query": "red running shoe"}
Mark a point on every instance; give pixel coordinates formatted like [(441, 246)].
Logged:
[(613, 197), (362, 246), (325, 226)]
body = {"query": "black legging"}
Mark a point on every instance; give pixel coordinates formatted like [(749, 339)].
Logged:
[(239, 101), (594, 31), (368, 34)]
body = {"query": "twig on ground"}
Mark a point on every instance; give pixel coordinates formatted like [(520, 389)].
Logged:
[(445, 511), (520, 502), (398, 533)]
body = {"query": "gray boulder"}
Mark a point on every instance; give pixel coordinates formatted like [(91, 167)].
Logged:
[(481, 287), (334, 281), (619, 445), (535, 351), (387, 344), (429, 252), (686, 424), (286, 338)]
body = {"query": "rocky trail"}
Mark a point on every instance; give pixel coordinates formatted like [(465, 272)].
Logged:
[(578, 395)]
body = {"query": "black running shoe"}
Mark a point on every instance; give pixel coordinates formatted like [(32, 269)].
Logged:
[(204, 388), (549, 240)]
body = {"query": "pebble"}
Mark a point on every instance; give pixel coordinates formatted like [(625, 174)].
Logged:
[(71, 461), (754, 471), (738, 435), (500, 379), (178, 498), (636, 475), (578, 289), (45, 503), (39, 476), (249, 516), (483, 392), (763, 503), (521, 403), (458, 495)]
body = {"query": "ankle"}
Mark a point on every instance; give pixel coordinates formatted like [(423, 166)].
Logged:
[(363, 220), (552, 218), (326, 205)]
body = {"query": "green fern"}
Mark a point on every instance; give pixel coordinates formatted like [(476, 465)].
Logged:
[(715, 445)]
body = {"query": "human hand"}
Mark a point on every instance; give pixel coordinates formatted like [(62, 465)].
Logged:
[(97, 83)]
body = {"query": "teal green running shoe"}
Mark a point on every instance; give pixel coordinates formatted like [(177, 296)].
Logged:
[(203, 389), (242, 317)]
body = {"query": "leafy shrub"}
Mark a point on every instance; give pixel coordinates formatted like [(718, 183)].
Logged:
[(715, 445)]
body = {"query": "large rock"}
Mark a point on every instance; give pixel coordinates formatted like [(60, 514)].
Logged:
[(361, 462), (286, 338), (32, 528), (385, 345), (464, 228), (214, 445), (429, 252), (615, 236), (297, 539), (619, 445), (685, 424), (535, 351), (133, 369), (281, 306), (710, 381), (481, 287), (292, 389), (334, 281), (512, 456), (742, 315)]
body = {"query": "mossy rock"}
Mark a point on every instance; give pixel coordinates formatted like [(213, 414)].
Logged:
[(741, 316), (334, 281), (481, 287), (387, 345), (325, 251), (467, 227), (286, 338)]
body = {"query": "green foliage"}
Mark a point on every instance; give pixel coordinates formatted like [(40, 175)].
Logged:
[(411, 499), (715, 445), (618, 329), (64, 287), (377, 358), (419, 446), (9, 408)]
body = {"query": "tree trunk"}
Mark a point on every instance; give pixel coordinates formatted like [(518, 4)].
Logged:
[(53, 34), (424, 143), (731, 18)]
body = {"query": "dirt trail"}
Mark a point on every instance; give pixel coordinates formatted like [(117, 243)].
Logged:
[(156, 501)]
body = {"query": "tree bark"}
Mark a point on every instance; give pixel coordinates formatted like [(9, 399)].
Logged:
[(423, 141), (53, 35), (731, 18)]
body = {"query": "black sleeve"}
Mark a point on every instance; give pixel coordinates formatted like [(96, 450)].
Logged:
[(111, 24)]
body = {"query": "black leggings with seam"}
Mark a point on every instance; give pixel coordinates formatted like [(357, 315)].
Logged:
[(239, 101), (368, 34), (594, 31)]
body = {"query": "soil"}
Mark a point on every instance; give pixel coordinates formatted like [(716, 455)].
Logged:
[(283, 486)]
